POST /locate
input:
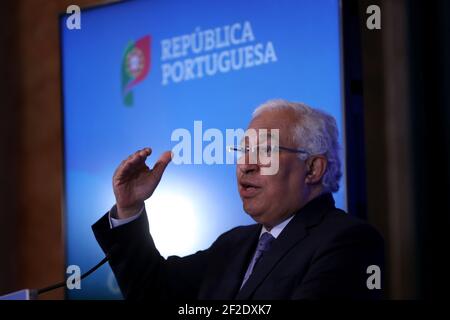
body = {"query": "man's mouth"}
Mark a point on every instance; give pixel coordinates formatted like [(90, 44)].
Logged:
[(248, 189)]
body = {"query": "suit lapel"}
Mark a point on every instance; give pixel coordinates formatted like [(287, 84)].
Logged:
[(268, 261), (233, 272), (294, 232)]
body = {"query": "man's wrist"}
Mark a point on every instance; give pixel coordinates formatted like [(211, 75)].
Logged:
[(116, 222), (125, 213)]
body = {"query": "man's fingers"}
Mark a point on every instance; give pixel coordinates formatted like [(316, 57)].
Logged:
[(161, 164), (134, 162), (144, 152)]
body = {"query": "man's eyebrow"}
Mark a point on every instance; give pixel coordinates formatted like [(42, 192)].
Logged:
[(269, 133)]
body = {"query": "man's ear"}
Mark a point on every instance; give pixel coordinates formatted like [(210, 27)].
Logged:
[(316, 166)]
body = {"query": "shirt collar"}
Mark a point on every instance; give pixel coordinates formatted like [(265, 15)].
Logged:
[(275, 231)]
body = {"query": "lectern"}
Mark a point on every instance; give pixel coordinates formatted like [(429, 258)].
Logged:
[(25, 294)]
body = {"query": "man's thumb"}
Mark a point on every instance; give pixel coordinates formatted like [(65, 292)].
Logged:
[(161, 164)]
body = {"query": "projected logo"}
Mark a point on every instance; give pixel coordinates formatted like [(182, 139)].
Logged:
[(135, 67)]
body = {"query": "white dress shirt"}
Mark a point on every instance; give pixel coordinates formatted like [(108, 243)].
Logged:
[(115, 222), (275, 231)]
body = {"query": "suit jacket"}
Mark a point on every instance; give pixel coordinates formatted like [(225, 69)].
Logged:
[(322, 253)]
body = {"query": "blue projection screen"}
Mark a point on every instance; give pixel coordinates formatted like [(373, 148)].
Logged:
[(138, 70)]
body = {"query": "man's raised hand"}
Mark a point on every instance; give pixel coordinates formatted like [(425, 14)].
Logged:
[(134, 181)]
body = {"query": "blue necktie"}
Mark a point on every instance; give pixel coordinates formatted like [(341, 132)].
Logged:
[(263, 245)]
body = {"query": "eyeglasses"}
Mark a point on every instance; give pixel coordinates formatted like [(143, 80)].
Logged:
[(265, 150)]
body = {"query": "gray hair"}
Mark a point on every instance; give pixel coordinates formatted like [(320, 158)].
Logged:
[(317, 132)]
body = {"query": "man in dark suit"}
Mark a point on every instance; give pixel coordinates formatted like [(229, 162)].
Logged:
[(302, 247)]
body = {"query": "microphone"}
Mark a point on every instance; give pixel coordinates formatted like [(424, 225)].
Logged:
[(84, 275)]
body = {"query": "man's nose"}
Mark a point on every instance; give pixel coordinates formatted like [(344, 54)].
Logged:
[(247, 168)]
